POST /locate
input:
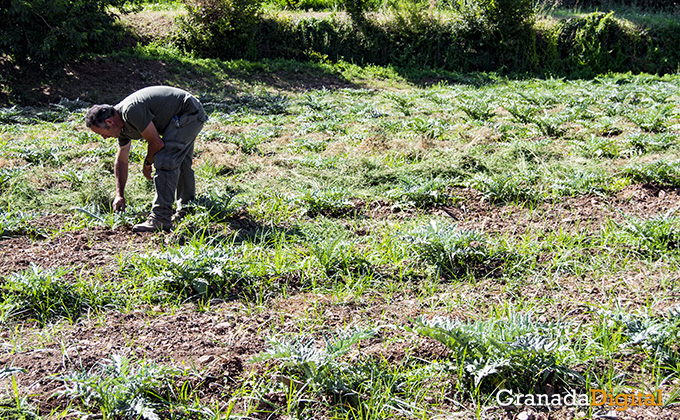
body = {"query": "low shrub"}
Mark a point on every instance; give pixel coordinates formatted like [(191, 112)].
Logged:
[(499, 36), (220, 28)]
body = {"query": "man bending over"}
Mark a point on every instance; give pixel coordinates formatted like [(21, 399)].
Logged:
[(168, 119)]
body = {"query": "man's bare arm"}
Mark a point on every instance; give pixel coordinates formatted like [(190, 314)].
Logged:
[(120, 171)]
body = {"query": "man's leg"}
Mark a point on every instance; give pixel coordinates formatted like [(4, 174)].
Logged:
[(186, 185), (165, 183), (171, 162)]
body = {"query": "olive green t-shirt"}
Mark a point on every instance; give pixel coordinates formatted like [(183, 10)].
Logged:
[(157, 104)]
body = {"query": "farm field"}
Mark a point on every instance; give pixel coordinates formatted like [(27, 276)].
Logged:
[(367, 251)]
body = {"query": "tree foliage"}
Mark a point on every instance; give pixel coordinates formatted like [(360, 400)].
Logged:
[(42, 33)]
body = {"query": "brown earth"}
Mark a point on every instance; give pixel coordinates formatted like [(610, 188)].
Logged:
[(109, 80), (219, 343)]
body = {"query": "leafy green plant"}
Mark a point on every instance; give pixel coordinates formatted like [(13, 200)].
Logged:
[(452, 251), (332, 201), (549, 124), (656, 336), (219, 206), (661, 172), (655, 236), (317, 100), (515, 352), (197, 271), (339, 257), (525, 114), (430, 128), (16, 406), (16, 223), (40, 295), (40, 156), (578, 182), (649, 143), (477, 109), (304, 144), (404, 103), (123, 388), (319, 368), (7, 178), (94, 216), (601, 147), (249, 142), (422, 193), (654, 119), (502, 188)]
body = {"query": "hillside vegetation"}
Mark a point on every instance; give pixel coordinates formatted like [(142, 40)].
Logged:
[(507, 36)]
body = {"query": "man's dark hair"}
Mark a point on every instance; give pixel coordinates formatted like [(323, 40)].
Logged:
[(98, 114)]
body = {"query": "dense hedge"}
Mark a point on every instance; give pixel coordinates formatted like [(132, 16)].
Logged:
[(498, 35), (651, 5)]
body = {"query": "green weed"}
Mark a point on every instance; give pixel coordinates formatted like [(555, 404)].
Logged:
[(503, 189), (453, 252), (332, 201), (197, 272), (17, 223), (578, 182), (320, 369), (653, 237), (8, 177), (41, 295), (515, 352), (338, 257), (661, 172), (94, 216), (422, 193), (123, 388)]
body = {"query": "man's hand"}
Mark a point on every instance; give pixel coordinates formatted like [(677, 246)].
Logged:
[(154, 145), (146, 170), (119, 203)]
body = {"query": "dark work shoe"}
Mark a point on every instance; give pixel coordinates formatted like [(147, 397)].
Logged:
[(152, 225)]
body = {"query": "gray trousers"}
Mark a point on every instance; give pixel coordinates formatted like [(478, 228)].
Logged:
[(174, 178)]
